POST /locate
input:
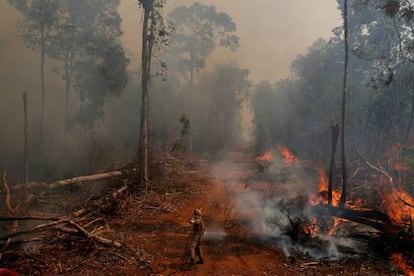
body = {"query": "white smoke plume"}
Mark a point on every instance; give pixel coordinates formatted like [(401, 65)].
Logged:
[(270, 209)]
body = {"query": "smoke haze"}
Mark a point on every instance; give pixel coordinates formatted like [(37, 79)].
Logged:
[(271, 33)]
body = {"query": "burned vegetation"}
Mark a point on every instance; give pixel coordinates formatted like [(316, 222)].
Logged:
[(311, 174), (376, 220)]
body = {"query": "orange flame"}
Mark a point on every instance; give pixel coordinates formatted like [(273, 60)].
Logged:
[(400, 166), (287, 155), (322, 198), (398, 260), (314, 227), (323, 179), (398, 211), (267, 156), (336, 222)]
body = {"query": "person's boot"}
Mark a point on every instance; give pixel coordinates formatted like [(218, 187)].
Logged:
[(191, 261), (201, 261)]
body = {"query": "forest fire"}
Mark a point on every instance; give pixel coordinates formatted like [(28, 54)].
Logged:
[(398, 261), (399, 205), (267, 156), (322, 197), (288, 157)]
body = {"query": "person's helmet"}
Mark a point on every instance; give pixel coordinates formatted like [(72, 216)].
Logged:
[(197, 212)]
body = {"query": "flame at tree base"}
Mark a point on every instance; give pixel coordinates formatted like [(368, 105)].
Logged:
[(398, 261)]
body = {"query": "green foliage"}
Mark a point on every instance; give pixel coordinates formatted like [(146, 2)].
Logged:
[(100, 67), (39, 16), (198, 29)]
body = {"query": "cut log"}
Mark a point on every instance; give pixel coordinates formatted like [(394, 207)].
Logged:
[(77, 179)]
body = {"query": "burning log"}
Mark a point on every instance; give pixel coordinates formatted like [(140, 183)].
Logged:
[(264, 161), (376, 219)]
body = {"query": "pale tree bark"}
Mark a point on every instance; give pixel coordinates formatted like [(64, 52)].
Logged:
[(147, 43), (68, 86), (42, 84), (343, 117), (190, 137), (335, 134), (26, 140)]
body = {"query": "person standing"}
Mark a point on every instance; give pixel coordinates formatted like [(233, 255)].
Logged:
[(197, 237)]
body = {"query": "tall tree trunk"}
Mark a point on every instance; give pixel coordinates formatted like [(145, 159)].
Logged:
[(190, 137), (42, 84), (343, 117), (335, 134), (26, 141), (68, 85), (92, 136), (411, 118), (147, 42)]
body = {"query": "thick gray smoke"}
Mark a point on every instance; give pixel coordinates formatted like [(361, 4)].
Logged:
[(268, 210)]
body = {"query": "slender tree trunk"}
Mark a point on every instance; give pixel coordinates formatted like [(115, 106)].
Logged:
[(67, 95), (335, 134), (26, 141), (42, 84), (147, 41), (92, 136), (190, 137), (411, 118), (343, 117)]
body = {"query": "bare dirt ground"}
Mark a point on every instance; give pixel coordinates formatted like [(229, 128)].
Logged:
[(153, 230)]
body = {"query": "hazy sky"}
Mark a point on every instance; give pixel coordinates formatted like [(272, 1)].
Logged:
[(272, 32)]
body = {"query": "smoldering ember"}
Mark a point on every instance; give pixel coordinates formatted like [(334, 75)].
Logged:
[(153, 137)]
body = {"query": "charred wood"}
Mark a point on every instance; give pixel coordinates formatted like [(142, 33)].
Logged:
[(375, 219)]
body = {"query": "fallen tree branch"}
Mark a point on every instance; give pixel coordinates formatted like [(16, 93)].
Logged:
[(28, 218), (118, 192), (10, 241), (33, 229), (77, 179), (66, 230), (87, 234), (6, 244), (375, 219), (406, 203), (94, 221), (379, 170)]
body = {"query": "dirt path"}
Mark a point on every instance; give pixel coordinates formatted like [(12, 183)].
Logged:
[(227, 248)]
